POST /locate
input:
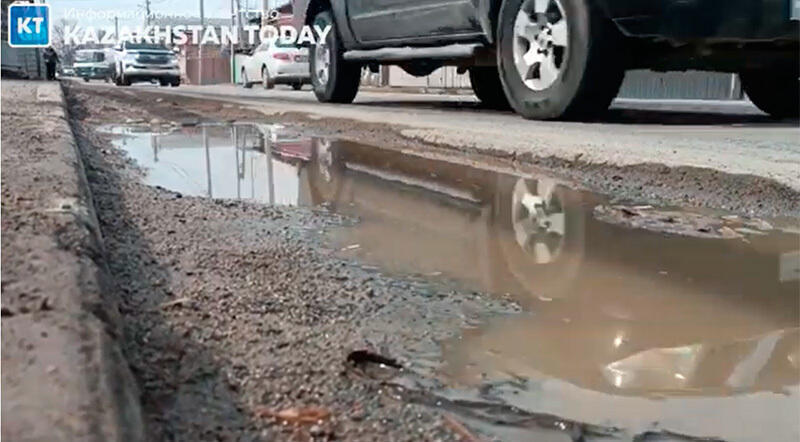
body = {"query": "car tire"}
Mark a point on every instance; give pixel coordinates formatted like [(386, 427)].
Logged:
[(163, 83), (487, 86), (175, 83), (266, 79), (543, 261), (245, 81), (85, 79), (334, 80), (297, 86), (774, 91), (573, 65)]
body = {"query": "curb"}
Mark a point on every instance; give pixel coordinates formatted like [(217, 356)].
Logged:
[(64, 374)]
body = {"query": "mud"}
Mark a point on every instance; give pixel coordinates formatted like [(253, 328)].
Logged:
[(513, 303)]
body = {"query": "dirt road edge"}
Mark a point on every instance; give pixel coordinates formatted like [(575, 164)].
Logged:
[(64, 374)]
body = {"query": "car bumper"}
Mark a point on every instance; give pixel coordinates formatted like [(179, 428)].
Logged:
[(292, 72), (730, 20), (92, 72), (152, 72)]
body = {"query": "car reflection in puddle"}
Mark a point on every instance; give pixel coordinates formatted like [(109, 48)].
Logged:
[(629, 328)]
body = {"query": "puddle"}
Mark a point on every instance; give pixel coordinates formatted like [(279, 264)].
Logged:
[(220, 161), (658, 335)]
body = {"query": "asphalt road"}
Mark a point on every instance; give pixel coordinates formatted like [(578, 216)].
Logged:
[(732, 137)]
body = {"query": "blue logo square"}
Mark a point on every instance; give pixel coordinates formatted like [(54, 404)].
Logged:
[(29, 26)]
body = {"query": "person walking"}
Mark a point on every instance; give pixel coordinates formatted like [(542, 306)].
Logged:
[(51, 61)]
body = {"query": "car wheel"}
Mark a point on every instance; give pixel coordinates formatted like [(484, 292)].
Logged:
[(774, 91), (325, 174), (175, 83), (487, 86), (163, 83), (266, 80), (297, 86), (86, 79), (245, 81), (334, 79), (540, 233), (559, 58)]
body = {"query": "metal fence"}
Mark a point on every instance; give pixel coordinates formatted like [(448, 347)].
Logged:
[(22, 62), (681, 85), (216, 70), (638, 84)]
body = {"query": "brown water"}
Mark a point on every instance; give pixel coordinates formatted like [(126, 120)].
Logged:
[(621, 327)]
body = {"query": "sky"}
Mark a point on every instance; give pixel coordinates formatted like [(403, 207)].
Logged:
[(131, 12)]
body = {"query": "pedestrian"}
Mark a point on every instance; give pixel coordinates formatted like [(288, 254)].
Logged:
[(50, 60)]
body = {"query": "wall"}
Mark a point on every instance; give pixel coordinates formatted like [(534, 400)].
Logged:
[(25, 62)]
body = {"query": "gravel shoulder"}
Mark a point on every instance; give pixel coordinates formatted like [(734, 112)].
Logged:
[(740, 162), (228, 334)]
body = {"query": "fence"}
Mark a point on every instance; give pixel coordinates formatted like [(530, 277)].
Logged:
[(681, 85), (216, 70), (637, 84), (22, 62)]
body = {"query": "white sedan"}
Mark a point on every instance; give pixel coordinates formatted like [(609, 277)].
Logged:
[(274, 62)]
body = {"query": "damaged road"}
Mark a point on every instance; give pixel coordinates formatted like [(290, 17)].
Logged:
[(278, 282), (719, 155)]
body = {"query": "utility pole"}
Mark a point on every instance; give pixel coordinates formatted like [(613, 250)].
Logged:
[(200, 47), (116, 28), (147, 12), (235, 25)]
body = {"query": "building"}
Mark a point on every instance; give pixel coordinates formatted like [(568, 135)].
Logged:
[(214, 58), (19, 62)]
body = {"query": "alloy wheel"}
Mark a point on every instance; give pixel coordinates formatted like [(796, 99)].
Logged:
[(322, 62), (541, 42), (538, 220)]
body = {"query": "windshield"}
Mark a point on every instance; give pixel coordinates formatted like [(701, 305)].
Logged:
[(89, 56), (140, 46)]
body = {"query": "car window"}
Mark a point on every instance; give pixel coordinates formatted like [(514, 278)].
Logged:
[(90, 56)]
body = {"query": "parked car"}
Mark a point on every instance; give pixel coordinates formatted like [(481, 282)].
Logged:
[(92, 64), (67, 71), (145, 62), (550, 59), (275, 62)]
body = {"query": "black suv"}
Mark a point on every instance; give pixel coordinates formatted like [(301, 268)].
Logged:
[(550, 59)]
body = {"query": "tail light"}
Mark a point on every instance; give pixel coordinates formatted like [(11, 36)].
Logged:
[(281, 56)]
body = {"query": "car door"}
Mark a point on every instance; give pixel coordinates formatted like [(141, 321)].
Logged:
[(407, 20)]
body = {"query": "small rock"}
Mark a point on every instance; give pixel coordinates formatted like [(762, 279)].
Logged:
[(727, 232)]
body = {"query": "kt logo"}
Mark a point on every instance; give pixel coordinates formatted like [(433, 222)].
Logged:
[(28, 25)]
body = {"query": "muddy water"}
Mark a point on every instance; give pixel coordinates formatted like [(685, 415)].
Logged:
[(656, 335)]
